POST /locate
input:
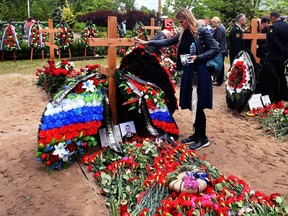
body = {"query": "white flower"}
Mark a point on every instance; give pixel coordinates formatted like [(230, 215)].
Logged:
[(146, 97), (61, 151), (89, 86)]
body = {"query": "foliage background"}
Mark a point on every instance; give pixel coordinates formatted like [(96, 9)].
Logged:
[(70, 9)]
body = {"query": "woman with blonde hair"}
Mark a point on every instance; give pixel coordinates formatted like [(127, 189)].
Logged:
[(206, 48)]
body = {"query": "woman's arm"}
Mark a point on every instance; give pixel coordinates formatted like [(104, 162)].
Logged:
[(164, 42)]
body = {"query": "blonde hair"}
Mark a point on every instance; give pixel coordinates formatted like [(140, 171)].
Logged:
[(216, 19), (187, 15)]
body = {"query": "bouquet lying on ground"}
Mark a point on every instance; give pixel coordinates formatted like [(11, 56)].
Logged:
[(273, 119), (53, 77), (143, 175)]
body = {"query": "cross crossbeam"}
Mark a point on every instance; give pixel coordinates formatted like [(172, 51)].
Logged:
[(152, 28), (254, 36), (51, 32)]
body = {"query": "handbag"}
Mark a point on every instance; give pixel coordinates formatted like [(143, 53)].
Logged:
[(215, 64)]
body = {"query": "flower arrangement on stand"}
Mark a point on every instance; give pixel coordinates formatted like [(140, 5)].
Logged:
[(11, 41), (273, 119), (53, 77), (139, 31), (238, 84), (143, 175), (90, 31), (64, 40), (68, 128), (36, 39)]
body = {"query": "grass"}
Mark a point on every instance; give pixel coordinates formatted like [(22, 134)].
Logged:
[(27, 67)]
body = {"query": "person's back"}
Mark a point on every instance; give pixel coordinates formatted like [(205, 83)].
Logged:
[(281, 29)]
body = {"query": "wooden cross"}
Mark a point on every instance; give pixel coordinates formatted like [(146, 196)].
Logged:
[(111, 42), (254, 36), (152, 27), (51, 32)]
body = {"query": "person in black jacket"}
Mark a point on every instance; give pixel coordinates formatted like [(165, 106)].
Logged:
[(220, 36), (164, 34), (235, 37), (262, 50), (277, 37), (206, 48)]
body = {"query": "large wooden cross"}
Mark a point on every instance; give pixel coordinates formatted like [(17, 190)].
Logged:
[(152, 28), (51, 32), (112, 42), (254, 36)]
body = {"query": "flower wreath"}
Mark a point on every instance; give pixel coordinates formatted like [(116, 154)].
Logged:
[(155, 102), (10, 39), (36, 39), (67, 129), (188, 180), (90, 31), (239, 82), (139, 31), (64, 40)]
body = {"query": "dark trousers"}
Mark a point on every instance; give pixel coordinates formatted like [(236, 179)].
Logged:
[(200, 124), (279, 70), (220, 77)]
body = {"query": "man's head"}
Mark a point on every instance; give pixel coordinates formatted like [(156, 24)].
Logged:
[(265, 22), (241, 19), (127, 128), (167, 33), (274, 16)]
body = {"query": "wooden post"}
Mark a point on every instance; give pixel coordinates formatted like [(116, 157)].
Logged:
[(152, 28), (254, 36), (112, 42), (51, 32)]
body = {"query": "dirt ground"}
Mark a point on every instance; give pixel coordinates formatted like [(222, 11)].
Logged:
[(238, 147)]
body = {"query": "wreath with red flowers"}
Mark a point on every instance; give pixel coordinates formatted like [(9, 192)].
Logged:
[(11, 39), (240, 82), (64, 40), (139, 31), (36, 39), (90, 31)]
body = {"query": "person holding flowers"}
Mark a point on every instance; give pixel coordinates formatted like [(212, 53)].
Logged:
[(184, 39)]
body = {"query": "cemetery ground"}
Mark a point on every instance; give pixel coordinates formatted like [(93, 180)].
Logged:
[(238, 147)]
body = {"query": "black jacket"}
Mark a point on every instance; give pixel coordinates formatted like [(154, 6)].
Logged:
[(277, 37), (205, 39), (220, 36), (236, 42), (155, 49)]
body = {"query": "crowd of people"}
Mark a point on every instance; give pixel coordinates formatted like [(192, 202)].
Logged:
[(210, 40)]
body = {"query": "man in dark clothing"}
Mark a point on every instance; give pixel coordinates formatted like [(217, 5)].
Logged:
[(235, 37), (262, 50), (220, 36), (278, 51), (164, 34)]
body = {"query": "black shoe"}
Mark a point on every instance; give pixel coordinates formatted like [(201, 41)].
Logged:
[(199, 144), (191, 139)]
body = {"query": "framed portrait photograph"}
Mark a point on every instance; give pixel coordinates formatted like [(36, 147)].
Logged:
[(128, 131)]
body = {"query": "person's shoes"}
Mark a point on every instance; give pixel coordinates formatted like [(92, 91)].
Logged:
[(191, 139), (199, 144)]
